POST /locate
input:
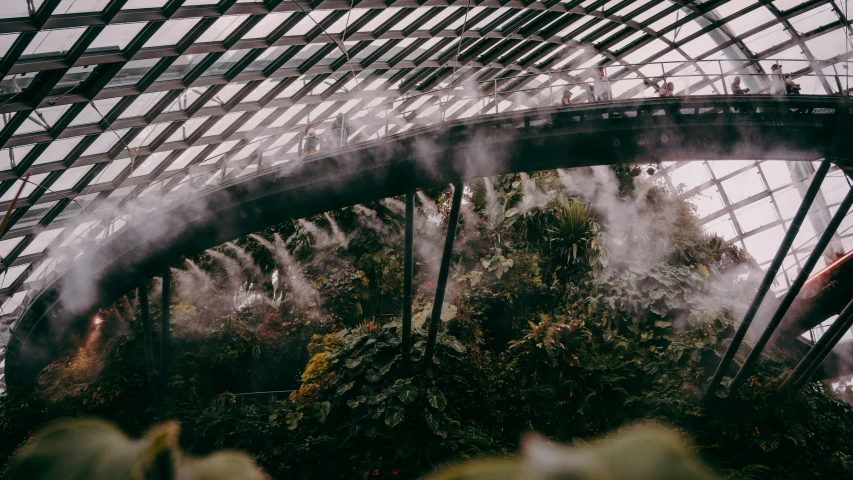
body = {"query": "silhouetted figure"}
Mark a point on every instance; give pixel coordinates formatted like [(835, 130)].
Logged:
[(737, 89), (590, 95), (778, 86), (340, 131), (791, 87), (567, 97), (667, 90), (601, 86), (312, 141)]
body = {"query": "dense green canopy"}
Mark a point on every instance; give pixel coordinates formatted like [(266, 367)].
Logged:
[(571, 311)]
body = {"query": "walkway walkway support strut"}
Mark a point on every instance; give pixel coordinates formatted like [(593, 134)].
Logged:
[(793, 291), (769, 276), (407, 276), (145, 311), (164, 328), (810, 363), (443, 272)]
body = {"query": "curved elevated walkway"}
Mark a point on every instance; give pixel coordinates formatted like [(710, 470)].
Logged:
[(667, 129)]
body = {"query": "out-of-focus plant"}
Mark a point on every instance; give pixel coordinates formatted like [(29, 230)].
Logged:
[(95, 450), (639, 453)]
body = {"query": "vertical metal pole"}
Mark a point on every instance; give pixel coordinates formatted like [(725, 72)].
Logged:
[(146, 325), (496, 96), (301, 139), (551, 88), (386, 120), (723, 78), (444, 270), (811, 362), (164, 328), (663, 74), (407, 275), (795, 288), (769, 276)]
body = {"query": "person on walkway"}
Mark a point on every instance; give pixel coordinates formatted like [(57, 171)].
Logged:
[(601, 86), (778, 85), (667, 90), (791, 87), (567, 97), (340, 131), (737, 88), (590, 96), (312, 141)]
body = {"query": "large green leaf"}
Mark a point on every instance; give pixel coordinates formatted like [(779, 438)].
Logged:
[(433, 420), (373, 376), (436, 399), (408, 394), (394, 417), (353, 362), (345, 387)]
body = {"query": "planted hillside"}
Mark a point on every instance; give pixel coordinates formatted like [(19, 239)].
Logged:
[(579, 302)]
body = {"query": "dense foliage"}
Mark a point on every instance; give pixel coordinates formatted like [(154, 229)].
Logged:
[(579, 302)]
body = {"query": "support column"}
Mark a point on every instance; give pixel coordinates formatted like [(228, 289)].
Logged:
[(769, 276), (407, 276), (164, 328), (146, 325), (820, 217), (827, 236), (444, 270), (811, 362)]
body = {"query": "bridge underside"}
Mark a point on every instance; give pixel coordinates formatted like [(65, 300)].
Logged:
[(759, 127)]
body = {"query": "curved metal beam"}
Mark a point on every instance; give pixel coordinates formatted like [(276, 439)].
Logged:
[(423, 158)]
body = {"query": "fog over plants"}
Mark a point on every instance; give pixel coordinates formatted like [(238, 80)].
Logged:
[(579, 302)]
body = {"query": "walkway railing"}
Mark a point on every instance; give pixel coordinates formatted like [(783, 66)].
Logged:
[(369, 120)]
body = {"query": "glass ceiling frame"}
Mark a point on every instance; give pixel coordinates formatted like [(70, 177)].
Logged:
[(100, 99)]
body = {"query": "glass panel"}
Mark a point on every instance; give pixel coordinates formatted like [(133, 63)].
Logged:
[(53, 41), (267, 25), (221, 28), (172, 32), (225, 62), (116, 37), (139, 4), (181, 66), (132, 72), (80, 6)]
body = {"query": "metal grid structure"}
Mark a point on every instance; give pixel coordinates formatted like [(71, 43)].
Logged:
[(751, 203), (104, 102)]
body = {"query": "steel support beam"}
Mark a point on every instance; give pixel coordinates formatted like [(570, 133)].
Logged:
[(769, 276), (811, 362), (820, 216), (407, 276), (792, 293), (146, 325), (164, 328), (443, 272)]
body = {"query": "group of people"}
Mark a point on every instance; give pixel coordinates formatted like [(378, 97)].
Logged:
[(780, 84), (338, 135), (599, 91)]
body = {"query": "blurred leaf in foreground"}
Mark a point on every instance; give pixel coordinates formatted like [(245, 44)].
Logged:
[(96, 450), (638, 453)]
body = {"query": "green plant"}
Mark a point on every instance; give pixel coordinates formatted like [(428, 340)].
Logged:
[(95, 450)]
